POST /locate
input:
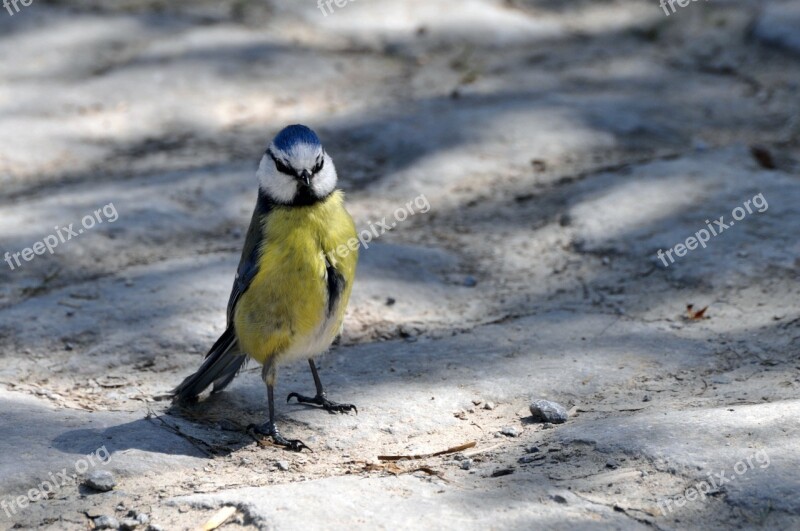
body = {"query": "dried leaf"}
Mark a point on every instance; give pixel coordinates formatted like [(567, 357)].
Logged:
[(695, 315)]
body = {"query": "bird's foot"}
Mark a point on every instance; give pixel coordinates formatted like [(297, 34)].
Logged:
[(271, 430), (321, 400)]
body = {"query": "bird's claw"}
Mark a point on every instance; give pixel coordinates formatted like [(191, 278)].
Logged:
[(270, 430), (295, 445), (321, 400)]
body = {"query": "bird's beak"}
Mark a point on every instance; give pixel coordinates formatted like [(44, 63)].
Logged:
[(305, 176)]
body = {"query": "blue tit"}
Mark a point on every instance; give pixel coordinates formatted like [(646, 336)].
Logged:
[(294, 277)]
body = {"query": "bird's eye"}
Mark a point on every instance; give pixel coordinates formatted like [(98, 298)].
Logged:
[(280, 166), (283, 168), (318, 166)]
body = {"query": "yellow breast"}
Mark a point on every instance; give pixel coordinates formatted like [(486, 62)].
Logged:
[(284, 312)]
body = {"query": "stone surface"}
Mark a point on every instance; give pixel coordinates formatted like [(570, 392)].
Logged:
[(406, 502), (100, 480), (779, 25), (511, 431), (106, 522), (748, 444), (48, 439), (129, 524), (559, 147), (547, 411)]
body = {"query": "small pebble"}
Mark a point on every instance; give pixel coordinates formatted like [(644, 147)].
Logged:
[(466, 464), (511, 431), (283, 465), (154, 527), (532, 449), (105, 522), (489, 405), (611, 464), (547, 411), (100, 480), (558, 498), (470, 282)]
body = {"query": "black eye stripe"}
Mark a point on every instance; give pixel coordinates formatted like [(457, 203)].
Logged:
[(318, 166), (283, 168), (280, 166)]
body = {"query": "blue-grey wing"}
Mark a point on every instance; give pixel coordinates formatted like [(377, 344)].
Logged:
[(248, 263), (224, 361)]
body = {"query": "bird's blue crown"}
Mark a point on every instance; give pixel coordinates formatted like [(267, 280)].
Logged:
[(293, 135)]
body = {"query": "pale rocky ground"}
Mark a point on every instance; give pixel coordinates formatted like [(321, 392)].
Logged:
[(559, 145)]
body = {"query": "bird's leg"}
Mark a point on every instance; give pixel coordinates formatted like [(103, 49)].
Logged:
[(269, 428), (321, 399)]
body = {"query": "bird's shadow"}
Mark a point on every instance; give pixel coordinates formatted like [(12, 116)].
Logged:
[(180, 430)]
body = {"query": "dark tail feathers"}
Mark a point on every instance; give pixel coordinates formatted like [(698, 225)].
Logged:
[(222, 363)]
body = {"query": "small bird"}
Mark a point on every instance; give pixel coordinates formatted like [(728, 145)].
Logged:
[(294, 277)]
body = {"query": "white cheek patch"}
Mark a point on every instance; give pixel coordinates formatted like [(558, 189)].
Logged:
[(324, 182), (280, 187)]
